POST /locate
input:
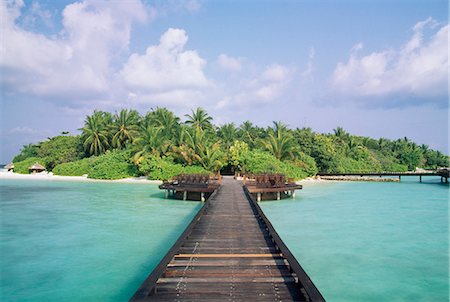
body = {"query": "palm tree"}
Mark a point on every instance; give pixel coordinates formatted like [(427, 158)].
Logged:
[(280, 142), (125, 127), (95, 133), (341, 135), (149, 142), (248, 133), (199, 119), (200, 148), (166, 120), (227, 134)]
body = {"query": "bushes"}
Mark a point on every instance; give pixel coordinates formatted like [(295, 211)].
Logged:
[(111, 169), (158, 168), (27, 151), (306, 163), (111, 165), (56, 150), (76, 168), (255, 162), (22, 166), (60, 149)]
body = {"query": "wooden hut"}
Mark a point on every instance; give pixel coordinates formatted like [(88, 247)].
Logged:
[(9, 167), (36, 168)]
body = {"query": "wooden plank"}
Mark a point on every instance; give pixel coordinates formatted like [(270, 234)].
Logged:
[(229, 255)]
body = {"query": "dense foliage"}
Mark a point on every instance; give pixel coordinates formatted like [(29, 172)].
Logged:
[(22, 166), (159, 168), (159, 145), (76, 168), (111, 165)]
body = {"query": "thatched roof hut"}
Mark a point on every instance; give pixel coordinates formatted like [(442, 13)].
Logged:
[(36, 168), (9, 167)]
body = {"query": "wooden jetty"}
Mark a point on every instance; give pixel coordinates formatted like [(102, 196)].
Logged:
[(271, 186), (229, 252), (442, 172), (192, 186)]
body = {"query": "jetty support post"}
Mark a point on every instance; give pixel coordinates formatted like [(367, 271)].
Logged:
[(258, 196), (202, 196), (399, 178), (167, 194), (420, 178), (184, 195), (278, 196), (293, 193)]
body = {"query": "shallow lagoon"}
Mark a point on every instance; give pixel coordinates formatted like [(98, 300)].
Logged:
[(370, 241), (80, 241)]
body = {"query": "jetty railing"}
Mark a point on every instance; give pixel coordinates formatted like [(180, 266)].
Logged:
[(149, 284), (270, 184), (191, 183), (303, 278), (442, 172)]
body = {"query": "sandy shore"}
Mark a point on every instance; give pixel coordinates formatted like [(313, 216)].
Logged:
[(51, 177)]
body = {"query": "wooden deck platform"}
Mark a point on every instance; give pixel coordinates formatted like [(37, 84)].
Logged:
[(193, 186), (229, 253)]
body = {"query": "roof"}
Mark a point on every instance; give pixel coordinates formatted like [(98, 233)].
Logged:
[(36, 166), (9, 166)]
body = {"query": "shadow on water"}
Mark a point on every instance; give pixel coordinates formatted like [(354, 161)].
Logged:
[(159, 194), (148, 266)]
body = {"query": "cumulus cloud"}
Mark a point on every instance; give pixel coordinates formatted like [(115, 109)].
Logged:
[(271, 83), (264, 88), (165, 66), (417, 69), (229, 63), (78, 60)]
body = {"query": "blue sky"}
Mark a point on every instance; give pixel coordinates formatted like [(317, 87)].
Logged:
[(376, 68)]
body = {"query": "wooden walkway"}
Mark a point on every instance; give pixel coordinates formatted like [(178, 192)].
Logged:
[(228, 256), (444, 173)]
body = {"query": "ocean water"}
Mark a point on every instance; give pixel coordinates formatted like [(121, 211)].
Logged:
[(79, 241), (361, 241)]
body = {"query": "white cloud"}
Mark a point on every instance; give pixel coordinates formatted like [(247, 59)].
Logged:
[(229, 63), (270, 85), (419, 68), (78, 62), (23, 130), (166, 68), (265, 88), (308, 73)]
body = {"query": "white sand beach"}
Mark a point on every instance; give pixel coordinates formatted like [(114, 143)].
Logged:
[(51, 177)]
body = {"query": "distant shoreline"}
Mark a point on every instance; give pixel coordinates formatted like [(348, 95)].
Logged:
[(51, 177), (143, 180)]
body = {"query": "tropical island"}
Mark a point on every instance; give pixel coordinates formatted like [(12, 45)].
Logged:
[(159, 145)]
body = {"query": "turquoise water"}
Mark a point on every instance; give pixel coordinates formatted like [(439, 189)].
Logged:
[(73, 241), (370, 241)]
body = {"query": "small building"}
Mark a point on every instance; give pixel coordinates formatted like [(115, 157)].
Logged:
[(9, 167), (36, 168)]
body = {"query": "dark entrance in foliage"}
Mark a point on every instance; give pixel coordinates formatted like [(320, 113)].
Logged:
[(227, 170)]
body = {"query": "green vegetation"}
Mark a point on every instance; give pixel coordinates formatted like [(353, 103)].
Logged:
[(164, 168), (158, 145), (22, 166), (76, 168)]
